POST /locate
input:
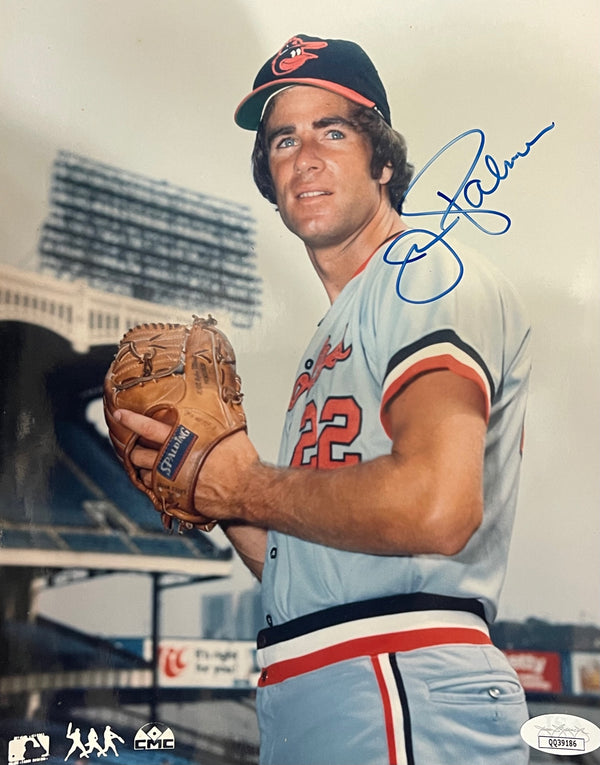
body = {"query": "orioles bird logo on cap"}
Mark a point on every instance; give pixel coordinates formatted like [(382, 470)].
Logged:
[(294, 54)]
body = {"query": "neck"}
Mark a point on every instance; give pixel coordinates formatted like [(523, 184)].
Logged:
[(336, 265)]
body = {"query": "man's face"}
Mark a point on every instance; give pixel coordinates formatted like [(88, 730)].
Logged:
[(320, 167)]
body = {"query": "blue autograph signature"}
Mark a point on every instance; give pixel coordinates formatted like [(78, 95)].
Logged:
[(466, 203)]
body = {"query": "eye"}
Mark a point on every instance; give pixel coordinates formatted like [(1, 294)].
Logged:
[(285, 143), (335, 134)]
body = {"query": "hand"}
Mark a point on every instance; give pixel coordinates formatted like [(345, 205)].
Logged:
[(219, 492)]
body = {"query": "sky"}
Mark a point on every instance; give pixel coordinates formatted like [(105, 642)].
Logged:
[(151, 86)]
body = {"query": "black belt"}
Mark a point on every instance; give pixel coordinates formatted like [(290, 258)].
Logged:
[(363, 609)]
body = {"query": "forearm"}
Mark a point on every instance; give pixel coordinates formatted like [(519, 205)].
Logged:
[(385, 506)]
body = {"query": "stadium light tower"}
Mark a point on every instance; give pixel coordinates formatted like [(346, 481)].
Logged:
[(126, 233)]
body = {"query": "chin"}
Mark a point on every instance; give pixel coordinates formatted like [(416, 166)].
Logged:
[(317, 232)]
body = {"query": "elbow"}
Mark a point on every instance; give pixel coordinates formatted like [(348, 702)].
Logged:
[(450, 529), (454, 543)]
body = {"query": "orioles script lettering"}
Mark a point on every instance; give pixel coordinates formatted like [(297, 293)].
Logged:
[(326, 359)]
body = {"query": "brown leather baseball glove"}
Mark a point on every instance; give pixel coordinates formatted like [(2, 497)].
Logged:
[(184, 376)]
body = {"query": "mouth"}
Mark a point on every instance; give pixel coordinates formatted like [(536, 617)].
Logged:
[(310, 194)]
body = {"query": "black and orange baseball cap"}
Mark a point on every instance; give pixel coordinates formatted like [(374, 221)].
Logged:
[(337, 65)]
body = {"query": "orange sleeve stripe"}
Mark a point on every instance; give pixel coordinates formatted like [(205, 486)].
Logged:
[(432, 364)]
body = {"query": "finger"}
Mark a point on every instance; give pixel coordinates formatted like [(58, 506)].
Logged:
[(143, 458), (146, 476), (152, 430)]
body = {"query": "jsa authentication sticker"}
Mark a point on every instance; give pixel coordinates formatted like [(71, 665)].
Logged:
[(561, 734)]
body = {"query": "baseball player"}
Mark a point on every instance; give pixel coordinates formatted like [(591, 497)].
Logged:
[(381, 538)]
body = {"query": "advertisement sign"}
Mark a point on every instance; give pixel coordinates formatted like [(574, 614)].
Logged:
[(585, 672), (205, 663), (538, 671)]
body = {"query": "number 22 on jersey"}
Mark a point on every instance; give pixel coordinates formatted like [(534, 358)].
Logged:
[(325, 436)]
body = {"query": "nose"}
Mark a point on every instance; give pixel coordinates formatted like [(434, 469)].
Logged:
[(307, 157)]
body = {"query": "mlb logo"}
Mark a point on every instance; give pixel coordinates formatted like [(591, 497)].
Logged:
[(25, 749)]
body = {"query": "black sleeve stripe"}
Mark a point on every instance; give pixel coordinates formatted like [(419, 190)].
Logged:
[(433, 339)]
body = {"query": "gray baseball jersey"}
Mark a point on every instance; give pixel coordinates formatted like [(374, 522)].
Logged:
[(410, 309)]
